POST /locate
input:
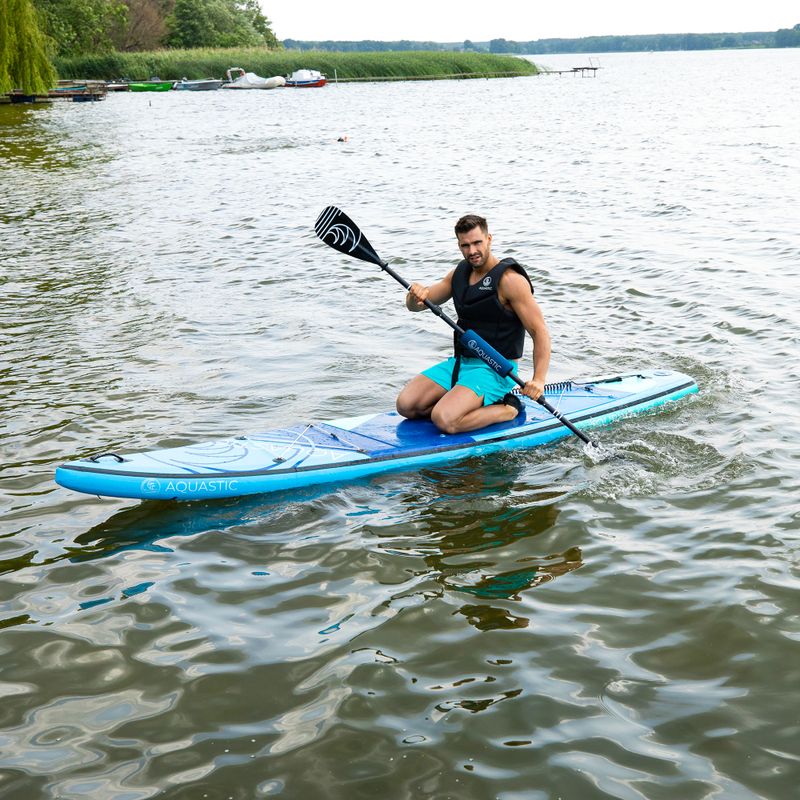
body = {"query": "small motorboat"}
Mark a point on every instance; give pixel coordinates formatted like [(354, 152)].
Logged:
[(153, 85), (306, 79), (204, 85), (239, 79)]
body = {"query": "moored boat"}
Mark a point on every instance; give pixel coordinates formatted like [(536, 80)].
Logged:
[(203, 85), (306, 79), (79, 91), (239, 79), (153, 85)]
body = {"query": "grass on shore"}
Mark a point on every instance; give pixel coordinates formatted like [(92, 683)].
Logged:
[(206, 63)]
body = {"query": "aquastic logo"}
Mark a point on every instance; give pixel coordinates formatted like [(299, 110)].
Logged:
[(486, 283), (481, 353), (189, 486), (151, 486)]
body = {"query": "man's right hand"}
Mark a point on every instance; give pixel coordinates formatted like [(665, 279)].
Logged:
[(417, 295)]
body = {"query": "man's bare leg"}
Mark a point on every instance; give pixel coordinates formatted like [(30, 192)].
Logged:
[(462, 410), (418, 397)]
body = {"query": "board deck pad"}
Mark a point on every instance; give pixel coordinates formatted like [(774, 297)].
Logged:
[(353, 447)]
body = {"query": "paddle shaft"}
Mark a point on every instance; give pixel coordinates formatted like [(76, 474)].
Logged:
[(430, 306), (513, 375)]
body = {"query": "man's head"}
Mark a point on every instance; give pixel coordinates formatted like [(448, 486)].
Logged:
[(474, 240)]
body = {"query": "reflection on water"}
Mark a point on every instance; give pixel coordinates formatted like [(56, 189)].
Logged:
[(404, 636), (471, 541), (32, 140)]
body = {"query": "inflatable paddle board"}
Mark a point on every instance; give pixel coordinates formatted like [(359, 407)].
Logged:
[(355, 447)]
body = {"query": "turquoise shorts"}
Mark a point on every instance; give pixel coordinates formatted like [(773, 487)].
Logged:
[(475, 374)]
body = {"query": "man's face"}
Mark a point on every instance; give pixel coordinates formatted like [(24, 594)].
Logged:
[(475, 246)]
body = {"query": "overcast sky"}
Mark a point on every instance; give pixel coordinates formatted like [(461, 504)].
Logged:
[(520, 20)]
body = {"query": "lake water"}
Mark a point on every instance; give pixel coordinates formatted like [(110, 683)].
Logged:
[(530, 625)]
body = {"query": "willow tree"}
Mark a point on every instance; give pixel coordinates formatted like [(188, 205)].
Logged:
[(24, 63)]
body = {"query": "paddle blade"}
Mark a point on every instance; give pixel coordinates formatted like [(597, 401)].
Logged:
[(338, 231)]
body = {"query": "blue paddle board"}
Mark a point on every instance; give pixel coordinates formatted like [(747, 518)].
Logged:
[(345, 449)]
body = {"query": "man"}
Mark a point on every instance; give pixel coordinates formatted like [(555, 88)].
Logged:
[(494, 298)]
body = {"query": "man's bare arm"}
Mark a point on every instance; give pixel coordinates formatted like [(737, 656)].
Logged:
[(516, 291), (438, 293)]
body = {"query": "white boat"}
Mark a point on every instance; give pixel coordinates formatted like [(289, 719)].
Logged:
[(239, 79), (306, 79)]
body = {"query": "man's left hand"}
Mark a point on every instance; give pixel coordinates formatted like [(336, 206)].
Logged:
[(533, 388)]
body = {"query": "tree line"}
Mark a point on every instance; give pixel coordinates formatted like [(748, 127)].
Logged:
[(785, 37), (651, 42), (372, 46), (79, 27), (788, 37)]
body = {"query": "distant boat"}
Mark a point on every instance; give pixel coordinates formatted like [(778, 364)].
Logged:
[(249, 80), (205, 85), (306, 79), (153, 85), (79, 91), (67, 87)]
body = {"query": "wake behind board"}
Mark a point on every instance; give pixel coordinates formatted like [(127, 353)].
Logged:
[(355, 447)]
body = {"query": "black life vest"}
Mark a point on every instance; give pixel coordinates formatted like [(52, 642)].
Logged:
[(479, 308)]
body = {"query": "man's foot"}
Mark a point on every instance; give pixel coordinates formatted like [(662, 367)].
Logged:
[(512, 401)]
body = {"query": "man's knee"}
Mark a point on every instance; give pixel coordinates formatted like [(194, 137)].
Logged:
[(417, 399), (408, 406), (444, 421), (404, 408)]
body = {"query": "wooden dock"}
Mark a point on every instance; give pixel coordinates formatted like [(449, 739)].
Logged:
[(76, 91), (584, 72), (590, 70)]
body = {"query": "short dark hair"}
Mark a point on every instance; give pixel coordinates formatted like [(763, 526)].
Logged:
[(470, 221)]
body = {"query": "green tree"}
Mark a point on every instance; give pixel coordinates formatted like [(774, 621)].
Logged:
[(251, 10), (79, 27), (501, 46), (218, 23), (24, 60), (189, 24)]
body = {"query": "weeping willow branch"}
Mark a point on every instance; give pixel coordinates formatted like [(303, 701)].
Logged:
[(24, 62)]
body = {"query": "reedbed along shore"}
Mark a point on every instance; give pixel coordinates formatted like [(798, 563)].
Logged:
[(202, 63)]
